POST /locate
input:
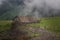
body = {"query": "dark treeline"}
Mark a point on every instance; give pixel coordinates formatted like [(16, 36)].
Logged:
[(8, 8)]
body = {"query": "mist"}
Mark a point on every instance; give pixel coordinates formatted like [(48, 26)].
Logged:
[(37, 8), (9, 8), (1, 1), (40, 8)]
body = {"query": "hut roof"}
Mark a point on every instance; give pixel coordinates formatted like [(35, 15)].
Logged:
[(25, 19)]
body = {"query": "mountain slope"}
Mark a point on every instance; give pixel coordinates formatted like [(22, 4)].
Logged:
[(10, 8)]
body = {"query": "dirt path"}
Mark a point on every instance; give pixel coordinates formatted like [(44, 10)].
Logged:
[(45, 35)]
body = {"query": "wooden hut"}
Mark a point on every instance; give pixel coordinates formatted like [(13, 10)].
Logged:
[(26, 19)]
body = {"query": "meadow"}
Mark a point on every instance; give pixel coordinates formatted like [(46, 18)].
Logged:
[(5, 25), (51, 24)]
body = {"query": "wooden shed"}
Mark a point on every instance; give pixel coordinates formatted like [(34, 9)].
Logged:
[(26, 19)]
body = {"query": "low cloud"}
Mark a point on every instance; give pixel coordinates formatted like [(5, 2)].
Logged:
[(35, 7)]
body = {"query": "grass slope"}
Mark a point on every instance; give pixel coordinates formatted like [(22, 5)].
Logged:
[(5, 25), (49, 23)]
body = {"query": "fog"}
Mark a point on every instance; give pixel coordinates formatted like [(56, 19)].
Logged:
[(0, 2), (35, 7)]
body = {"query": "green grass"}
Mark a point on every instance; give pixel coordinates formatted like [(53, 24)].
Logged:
[(49, 23), (5, 25), (52, 24)]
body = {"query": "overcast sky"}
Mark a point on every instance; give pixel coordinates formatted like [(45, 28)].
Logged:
[(52, 3), (37, 4)]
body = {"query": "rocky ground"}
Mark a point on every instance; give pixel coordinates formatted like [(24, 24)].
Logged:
[(23, 32), (36, 33), (45, 35)]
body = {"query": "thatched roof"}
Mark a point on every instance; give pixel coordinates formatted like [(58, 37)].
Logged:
[(25, 19)]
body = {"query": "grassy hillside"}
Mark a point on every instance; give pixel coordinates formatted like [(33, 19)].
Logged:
[(49, 23), (52, 23), (5, 25)]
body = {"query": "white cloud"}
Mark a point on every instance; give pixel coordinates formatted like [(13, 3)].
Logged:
[(53, 3), (1, 1)]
